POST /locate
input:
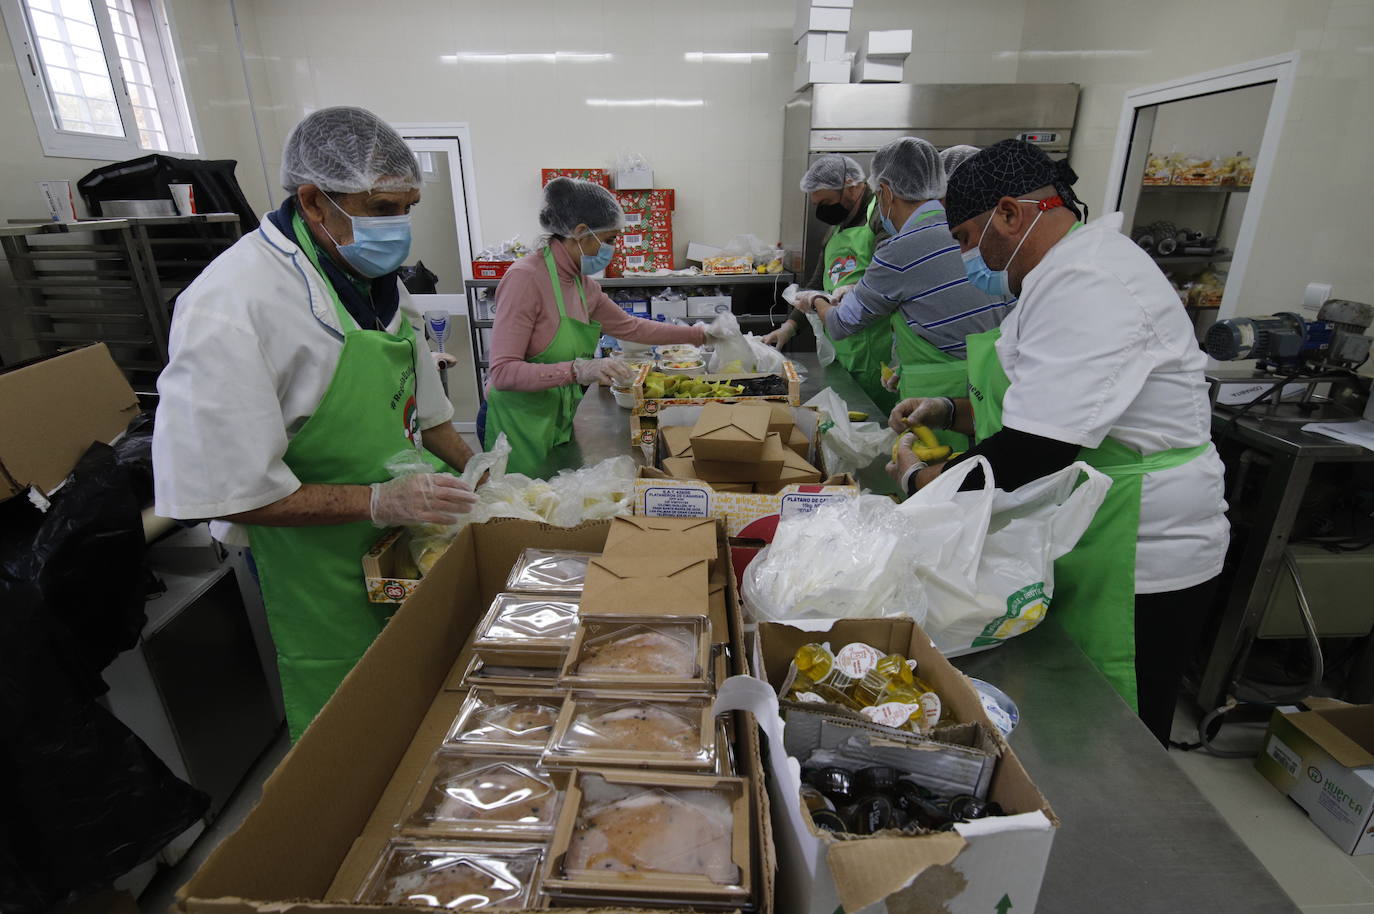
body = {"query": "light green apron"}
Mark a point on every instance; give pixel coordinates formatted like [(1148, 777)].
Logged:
[(1094, 585), (847, 255), (537, 421), (926, 371), (312, 579)]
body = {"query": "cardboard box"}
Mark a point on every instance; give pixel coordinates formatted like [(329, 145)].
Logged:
[(595, 175), (654, 537), (819, 19), (698, 252), (668, 307), (662, 199), (767, 469), (707, 305), (389, 573), (665, 585), (640, 262), (868, 70), (645, 241), (886, 43), (825, 71), (795, 471), (53, 410), (798, 443), (1323, 760), (781, 420), (969, 870), (837, 4), (320, 826), (654, 220), (677, 441), (732, 432), (817, 47)]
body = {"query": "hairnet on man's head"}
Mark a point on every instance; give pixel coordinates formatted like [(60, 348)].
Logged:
[(347, 151), (569, 202), (831, 172), (911, 167), (1010, 168), (955, 156)]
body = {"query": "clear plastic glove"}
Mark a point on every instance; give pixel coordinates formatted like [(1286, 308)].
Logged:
[(421, 498), (932, 412), (904, 461), (781, 336), (806, 301), (724, 326), (838, 295), (892, 379), (601, 371), (443, 360)]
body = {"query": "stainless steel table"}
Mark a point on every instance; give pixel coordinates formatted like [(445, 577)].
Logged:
[(1136, 835), (1293, 453)]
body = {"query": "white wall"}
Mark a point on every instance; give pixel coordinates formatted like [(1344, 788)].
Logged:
[(1310, 227)]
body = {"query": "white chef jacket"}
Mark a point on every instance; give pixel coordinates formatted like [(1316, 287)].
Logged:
[(1099, 345), (254, 344)]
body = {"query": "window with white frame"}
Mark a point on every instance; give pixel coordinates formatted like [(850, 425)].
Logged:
[(101, 75)]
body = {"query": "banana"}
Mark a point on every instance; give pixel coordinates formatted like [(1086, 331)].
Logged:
[(856, 416)]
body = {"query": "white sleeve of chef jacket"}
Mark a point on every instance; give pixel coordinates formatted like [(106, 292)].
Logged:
[(219, 437), (1080, 356), (432, 404)]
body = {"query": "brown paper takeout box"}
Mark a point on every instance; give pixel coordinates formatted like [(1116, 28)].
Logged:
[(652, 537), (767, 468), (737, 431), (661, 586)]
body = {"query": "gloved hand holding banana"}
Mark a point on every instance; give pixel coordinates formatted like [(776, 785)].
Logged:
[(922, 442)]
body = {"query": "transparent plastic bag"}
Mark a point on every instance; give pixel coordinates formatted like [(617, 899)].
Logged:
[(825, 350), (852, 558), (848, 446)]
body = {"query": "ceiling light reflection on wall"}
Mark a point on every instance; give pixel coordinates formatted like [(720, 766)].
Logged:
[(724, 56), (646, 102), (546, 57)]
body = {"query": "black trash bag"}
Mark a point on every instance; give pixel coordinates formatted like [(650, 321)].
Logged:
[(82, 799), (419, 279), (134, 452)]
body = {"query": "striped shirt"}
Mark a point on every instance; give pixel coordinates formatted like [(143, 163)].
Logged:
[(920, 272)]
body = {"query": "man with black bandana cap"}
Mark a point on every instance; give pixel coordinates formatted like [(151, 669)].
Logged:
[(1097, 363)]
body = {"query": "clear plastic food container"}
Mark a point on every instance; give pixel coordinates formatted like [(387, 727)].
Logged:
[(453, 875), (634, 731), (526, 630), (549, 571), (616, 652), (505, 720), (488, 796)]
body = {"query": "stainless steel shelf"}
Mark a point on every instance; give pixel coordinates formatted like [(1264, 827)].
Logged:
[(1191, 258), (1195, 189)]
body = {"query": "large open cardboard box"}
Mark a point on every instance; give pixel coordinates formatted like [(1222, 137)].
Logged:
[(328, 809), (52, 410), (968, 871)]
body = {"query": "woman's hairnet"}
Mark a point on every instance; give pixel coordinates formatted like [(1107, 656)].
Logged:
[(831, 172), (911, 167), (955, 156), (569, 202), (347, 151)]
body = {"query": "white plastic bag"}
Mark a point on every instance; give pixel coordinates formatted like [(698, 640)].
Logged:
[(825, 350), (995, 579), (848, 446), (850, 558)]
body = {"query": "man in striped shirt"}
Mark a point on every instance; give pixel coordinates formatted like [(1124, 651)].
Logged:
[(916, 280)]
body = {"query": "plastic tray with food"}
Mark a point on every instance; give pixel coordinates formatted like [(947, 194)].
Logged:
[(651, 834), (505, 720), (460, 795), (481, 674), (529, 630), (637, 731), (549, 571), (655, 390), (453, 875), (618, 652)]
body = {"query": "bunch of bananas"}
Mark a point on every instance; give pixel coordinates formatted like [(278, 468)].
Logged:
[(926, 447), (658, 386)]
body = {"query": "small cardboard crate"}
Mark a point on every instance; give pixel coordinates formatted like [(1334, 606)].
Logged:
[(490, 269), (1323, 760), (645, 406), (986, 865), (387, 568), (595, 175)]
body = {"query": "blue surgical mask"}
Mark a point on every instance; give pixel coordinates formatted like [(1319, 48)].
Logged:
[(595, 263), (886, 220), (996, 283), (380, 243)]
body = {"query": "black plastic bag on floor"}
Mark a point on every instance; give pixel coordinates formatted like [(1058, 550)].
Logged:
[(134, 452), (82, 799)]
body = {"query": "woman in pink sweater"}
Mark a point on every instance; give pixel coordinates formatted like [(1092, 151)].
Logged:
[(549, 317)]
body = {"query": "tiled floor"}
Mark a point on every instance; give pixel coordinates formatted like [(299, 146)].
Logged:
[(1316, 874)]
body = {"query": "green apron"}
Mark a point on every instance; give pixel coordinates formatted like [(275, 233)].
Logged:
[(312, 581), (847, 255), (537, 421), (1094, 585), (925, 370)]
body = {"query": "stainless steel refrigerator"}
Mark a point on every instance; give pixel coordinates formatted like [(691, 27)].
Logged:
[(857, 118)]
